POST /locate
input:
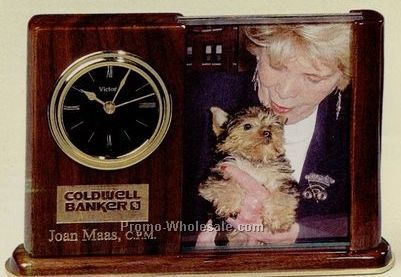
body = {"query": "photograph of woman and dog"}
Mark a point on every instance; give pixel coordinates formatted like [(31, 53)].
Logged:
[(270, 146)]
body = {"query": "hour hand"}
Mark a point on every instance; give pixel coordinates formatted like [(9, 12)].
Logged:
[(91, 96)]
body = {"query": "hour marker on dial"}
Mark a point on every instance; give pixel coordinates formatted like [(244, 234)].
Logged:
[(143, 124), (147, 105), (77, 125), (90, 75), (141, 87), (91, 136), (109, 73), (126, 134), (71, 108), (109, 143)]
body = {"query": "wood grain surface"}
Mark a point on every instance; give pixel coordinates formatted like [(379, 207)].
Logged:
[(54, 43), (367, 94), (292, 261)]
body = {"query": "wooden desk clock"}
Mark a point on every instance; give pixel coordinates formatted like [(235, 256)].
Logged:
[(111, 105)]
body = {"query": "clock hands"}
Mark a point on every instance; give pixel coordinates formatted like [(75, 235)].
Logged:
[(109, 107)]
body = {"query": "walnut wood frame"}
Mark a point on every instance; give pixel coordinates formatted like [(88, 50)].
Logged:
[(367, 251)]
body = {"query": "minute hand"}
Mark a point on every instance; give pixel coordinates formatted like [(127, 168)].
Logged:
[(122, 83), (135, 100)]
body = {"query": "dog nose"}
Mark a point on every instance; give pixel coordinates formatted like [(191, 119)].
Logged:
[(266, 134)]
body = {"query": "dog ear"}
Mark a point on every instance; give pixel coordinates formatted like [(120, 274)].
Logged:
[(282, 119), (219, 117)]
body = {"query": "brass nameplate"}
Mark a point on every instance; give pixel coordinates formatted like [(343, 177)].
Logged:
[(102, 203)]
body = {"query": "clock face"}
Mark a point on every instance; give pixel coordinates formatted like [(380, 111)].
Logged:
[(109, 110)]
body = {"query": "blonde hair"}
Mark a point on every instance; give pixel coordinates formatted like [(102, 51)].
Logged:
[(329, 44)]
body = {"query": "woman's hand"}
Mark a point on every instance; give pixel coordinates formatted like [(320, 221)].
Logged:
[(252, 206)]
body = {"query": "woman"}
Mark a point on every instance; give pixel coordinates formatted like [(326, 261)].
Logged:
[(302, 72)]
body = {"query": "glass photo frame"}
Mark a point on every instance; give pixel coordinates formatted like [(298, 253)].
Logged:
[(267, 63)]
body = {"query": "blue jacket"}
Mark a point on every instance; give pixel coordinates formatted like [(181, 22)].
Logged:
[(323, 213)]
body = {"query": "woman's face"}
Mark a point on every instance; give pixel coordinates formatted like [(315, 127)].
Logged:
[(295, 88)]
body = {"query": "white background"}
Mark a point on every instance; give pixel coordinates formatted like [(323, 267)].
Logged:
[(14, 15)]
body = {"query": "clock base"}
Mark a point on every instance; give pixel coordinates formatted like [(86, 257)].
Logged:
[(309, 262)]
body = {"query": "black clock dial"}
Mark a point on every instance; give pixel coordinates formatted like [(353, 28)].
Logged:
[(109, 110)]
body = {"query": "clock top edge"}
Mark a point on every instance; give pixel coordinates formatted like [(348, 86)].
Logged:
[(51, 21), (101, 20)]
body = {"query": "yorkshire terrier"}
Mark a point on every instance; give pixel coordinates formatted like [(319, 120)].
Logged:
[(252, 139)]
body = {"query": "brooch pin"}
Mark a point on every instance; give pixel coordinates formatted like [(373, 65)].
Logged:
[(317, 187)]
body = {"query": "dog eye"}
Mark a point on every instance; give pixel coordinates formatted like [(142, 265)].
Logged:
[(247, 126)]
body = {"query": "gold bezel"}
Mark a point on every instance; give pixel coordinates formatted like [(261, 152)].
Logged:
[(86, 64)]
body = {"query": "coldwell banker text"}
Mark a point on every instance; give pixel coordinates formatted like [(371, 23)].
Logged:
[(102, 200), (102, 203)]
